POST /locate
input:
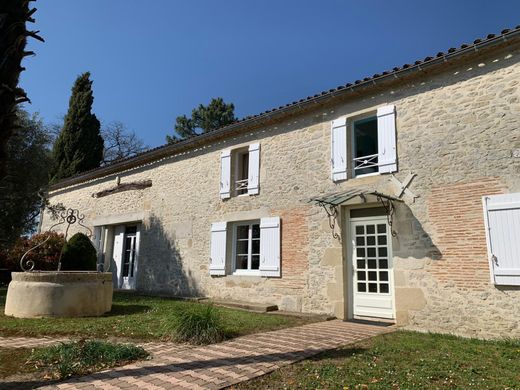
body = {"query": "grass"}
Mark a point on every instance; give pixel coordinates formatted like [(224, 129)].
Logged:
[(139, 318), (65, 360), (200, 325), (83, 357), (404, 360)]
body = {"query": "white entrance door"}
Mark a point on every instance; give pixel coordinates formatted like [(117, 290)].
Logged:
[(126, 252), (373, 294)]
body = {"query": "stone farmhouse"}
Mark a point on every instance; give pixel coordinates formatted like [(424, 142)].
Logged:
[(395, 198)]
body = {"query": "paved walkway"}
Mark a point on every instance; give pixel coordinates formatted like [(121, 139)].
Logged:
[(219, 365)]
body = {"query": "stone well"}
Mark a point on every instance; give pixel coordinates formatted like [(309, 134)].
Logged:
[(59, 294)]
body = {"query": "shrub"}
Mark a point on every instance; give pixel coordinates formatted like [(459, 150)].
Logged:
[(79, 254), (200, 324), (45, 257), (83, 357)]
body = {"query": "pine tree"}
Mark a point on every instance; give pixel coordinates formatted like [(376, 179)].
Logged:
[(13, 37), (203, 119), (79, 147)]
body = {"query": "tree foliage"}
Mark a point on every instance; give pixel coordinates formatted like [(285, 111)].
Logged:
[(79, 147), (203, 119), (14, 14), (27, 169), (45, 257), (120, 143)]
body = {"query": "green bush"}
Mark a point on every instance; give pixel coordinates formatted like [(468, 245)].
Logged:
[(79, 254), (201, 324), (45, 257), (83, 357)]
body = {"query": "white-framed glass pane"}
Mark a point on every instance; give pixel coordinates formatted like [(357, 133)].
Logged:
[(255, 247), (256, 230), (242, 247), (255, 262), (241, 262), (242, 232)]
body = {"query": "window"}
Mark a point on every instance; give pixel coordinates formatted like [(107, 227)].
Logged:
[(364, 146), (250, 248), (240, 171), (247, 247)]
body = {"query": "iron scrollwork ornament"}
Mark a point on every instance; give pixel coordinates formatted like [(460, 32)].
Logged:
[(390, 211), (69, 217), (332, 214)]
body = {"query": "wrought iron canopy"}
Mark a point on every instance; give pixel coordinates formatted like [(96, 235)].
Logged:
[(338, 198), (330, 203)]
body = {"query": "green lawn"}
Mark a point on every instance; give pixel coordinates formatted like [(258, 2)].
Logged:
[(64, 360), (139, 317), (404, 360)]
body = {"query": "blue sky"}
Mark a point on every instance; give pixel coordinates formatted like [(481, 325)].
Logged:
[(154, 60)]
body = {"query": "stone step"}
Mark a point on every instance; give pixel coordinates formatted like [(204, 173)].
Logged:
[(249, 306)]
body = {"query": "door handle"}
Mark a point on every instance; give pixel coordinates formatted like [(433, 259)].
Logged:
[(494, 259)]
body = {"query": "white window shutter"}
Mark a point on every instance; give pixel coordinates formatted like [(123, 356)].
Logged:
[(253, 176), (225, 174), (502, 221), (270, 246), (98, 241), (386, 141), (119, 238), (338, 149), (96, 238), (218, 248)]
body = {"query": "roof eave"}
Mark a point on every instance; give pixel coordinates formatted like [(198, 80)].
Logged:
[(277, 114)]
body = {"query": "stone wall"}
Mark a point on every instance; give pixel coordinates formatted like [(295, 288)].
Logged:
[(456, 130)]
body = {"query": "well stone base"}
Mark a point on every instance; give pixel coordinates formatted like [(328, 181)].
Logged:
[(59, 294)]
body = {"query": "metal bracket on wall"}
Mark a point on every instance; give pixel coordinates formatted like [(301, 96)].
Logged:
[(403, 187), (332, 214), (390, 211)]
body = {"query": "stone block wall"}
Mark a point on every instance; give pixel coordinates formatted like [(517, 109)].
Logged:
[(456, 129)]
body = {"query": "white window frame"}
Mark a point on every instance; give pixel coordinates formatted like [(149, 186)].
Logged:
[(350, 126), (245, 272)]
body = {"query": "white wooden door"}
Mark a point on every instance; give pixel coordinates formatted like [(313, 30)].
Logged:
[(373, 290)]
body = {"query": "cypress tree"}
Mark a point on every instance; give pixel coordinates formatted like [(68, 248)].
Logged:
[(79, 147), (13, 33)]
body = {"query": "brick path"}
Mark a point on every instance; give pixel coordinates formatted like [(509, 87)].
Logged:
[(221, 365), (29, 342)]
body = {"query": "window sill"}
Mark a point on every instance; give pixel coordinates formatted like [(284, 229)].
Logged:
[(367, 175), (246, 273)]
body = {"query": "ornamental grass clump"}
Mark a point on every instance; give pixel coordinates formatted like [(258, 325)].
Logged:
[(83, 357), (200, 324)]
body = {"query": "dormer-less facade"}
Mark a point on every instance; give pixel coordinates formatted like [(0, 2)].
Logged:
[(394, 198)]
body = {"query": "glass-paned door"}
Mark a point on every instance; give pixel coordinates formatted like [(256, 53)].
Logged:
[(129, 256), (372, 268)]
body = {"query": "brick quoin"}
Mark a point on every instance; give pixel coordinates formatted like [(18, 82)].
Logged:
[(294, 247), (456, 214)]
